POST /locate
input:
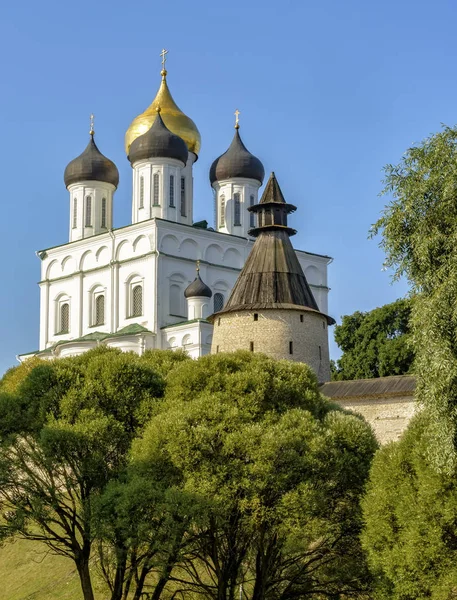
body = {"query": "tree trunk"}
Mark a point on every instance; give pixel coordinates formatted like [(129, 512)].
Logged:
[(82, 564), (119, 579)]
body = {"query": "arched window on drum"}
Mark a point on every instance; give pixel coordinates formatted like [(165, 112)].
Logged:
[(218, 301)]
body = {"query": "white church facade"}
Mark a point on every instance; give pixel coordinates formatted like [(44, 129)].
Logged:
[(135, 287)]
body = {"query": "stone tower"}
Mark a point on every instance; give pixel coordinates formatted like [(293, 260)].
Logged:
[(271, 308)]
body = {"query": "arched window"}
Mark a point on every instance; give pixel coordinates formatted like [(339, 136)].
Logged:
[(237, 209), (141, 203), (155, 181), (64, 318), (218, 302), (137, 300), (103, 220), (175, 300), (186, 340), (88, 220), (171, 191), (251, 214), (75, 213), (100, 309), (183, 197), (222, 211)]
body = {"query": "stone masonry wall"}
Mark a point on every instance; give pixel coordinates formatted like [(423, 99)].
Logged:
[(272, 333), (389, 417)]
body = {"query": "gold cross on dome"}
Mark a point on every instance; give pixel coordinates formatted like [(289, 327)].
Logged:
[(91, 124), (198, 266), (237, 119), (163, 54)]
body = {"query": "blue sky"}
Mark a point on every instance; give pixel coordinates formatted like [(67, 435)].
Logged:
[(328, 91)]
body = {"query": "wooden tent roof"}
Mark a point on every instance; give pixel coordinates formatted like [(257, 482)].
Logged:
[(395, 385), (272, 276)]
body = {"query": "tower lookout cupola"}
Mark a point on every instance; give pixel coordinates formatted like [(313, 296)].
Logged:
[(91, 179), (271, 308), (236, 177)]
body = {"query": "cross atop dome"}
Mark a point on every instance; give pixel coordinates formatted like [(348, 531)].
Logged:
[(163, 54)]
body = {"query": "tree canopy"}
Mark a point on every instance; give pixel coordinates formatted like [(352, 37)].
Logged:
[(419, 232), (410, 512), (375, 343), (411, 505), (275, 472), (187, 478)]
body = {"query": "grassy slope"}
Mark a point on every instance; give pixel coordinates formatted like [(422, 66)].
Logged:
[(29, 572)]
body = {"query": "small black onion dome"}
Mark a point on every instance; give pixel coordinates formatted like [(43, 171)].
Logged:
[(236, 162), (91, 165), (158, 142), (197, 288)]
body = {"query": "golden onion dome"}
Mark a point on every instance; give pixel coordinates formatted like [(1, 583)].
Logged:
[(173, 117)]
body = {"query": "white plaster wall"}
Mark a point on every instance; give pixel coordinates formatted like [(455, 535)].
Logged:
[(161, 253), (227, 188), (97, 190), (164, 168)]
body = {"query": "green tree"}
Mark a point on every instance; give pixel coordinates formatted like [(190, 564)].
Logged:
[(410, 512), (275, 473), (411, 509), (375, 343), (77, 419), (419, 232)]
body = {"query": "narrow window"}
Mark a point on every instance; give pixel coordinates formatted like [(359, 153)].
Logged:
[(237, 209), (251, 346), (222, 211), (156, 189), (256, 317), (175, 299), (141, 205), (172, 191), (64, 317), (183, 197), (75, 213), (137, 301), (103, 223), (99, 310), (217, 349), (301, 318), (218, 321), (320, 353), (251, 214), (323, 324), (218, 302), (88, 211), (291, 347)]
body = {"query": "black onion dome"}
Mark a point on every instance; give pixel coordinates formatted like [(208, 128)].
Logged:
[(91, 165), (236, 162), (197, 288), (158, 142)]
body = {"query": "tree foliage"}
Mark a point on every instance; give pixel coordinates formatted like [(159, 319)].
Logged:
[(65, 436), (411, 505), (189, 478), (375, 343), (410, 512), (419, 233), (275, 472)]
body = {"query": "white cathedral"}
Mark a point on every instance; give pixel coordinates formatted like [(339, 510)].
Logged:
[(136, 287)]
